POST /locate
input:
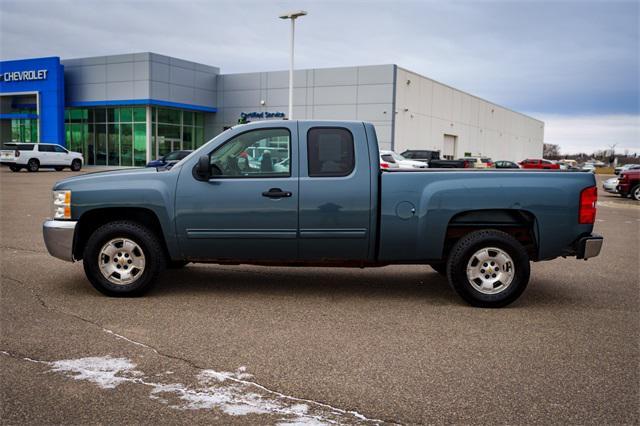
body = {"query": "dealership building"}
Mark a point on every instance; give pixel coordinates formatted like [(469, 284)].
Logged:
[(128, 109)]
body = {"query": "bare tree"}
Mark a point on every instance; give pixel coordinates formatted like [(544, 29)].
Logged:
[(551, 150)]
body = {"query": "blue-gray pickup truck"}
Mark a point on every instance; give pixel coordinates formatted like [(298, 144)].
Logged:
[(312, 193)]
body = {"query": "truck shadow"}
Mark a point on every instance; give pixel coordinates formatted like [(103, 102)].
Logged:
[(306, 282)]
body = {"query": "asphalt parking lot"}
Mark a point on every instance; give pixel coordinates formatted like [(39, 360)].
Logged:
[(244, 344)]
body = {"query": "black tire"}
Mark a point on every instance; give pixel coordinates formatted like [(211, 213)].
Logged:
[(76, 165), (176, 264), (149, 245), (58, 168), (462, 253), (15, 168), (33, 165), (635, 192), (440, 267)]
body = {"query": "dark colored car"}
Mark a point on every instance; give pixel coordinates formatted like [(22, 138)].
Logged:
[(170, 158), (506, 165), (432, 158), (629, 184), (539, 164)]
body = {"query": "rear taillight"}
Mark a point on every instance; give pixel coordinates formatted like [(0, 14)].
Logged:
[(587, 211), (384, 165), (16, 153)]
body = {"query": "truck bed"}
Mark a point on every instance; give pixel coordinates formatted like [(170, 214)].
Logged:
[(417, 206)]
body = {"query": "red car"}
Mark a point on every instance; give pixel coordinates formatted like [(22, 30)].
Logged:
[(538, 164), (629, 184)]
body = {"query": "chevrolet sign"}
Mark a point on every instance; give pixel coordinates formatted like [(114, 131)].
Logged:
[(23, 75)]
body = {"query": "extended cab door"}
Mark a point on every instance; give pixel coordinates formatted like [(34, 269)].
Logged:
[(335, 192), (249, 209)]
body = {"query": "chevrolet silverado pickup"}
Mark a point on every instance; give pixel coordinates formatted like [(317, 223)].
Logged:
[(301, 193)]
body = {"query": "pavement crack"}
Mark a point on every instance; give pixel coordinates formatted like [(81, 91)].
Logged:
[(22, 249), (186, 361), (23, 358)]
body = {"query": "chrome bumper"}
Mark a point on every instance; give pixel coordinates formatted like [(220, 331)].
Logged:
[(589, 247), (58, 237)]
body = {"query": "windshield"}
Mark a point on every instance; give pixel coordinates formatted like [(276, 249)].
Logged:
[(175, 155), (397, 157)]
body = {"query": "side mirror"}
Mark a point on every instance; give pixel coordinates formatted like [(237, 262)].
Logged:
[(202, 170)]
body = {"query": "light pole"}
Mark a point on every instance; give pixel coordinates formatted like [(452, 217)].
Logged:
[(293, 16)]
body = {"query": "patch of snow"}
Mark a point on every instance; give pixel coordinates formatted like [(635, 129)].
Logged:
[(229, 392), (105, 371)]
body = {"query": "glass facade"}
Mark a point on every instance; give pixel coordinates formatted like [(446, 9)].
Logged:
[(118, 136), (24, 129), (108, 136), (174, 130)]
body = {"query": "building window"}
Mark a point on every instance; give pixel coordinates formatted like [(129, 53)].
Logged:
[(118, 136), (108, 136), (174, 130), (24, 129)]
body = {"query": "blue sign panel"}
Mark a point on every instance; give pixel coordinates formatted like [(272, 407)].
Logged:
[(44, 76)]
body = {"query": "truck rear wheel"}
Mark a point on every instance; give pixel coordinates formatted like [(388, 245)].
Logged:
[(123, 258), (488, 268)]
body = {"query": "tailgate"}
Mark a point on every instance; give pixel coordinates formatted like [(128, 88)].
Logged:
[(6, 155)]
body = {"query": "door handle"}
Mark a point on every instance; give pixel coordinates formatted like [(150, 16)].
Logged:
[(276, 193)]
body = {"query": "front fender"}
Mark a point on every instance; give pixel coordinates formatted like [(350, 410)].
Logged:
[(134, 188)]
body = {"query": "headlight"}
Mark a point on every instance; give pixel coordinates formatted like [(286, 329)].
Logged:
[(62, 204)]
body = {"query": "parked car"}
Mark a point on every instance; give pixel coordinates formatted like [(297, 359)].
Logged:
[(169, 159), (33, 156), (629, 184), (534, 163), (478, 162), (432, 158), (626, 167), (502, 164), (388, 162), (331, 207), (404, 163), (588, 167), (570, 164), (611, 185)]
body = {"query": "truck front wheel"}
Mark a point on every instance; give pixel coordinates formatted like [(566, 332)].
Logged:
[(488, 268), (123, 258)]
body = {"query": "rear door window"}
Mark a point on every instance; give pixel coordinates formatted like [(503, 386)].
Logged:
[(46, 148), (330, 152)]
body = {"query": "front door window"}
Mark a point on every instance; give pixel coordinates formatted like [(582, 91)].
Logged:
[(259, 153)]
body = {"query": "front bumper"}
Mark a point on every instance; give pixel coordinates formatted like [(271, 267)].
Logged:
[(588, 247), (58, 237)]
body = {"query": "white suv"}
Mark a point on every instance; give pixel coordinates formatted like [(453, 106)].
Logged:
[(32, 156)]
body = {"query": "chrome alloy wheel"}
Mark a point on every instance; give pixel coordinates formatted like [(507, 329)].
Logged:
[(490, 270), (121, 261), (636, 193)]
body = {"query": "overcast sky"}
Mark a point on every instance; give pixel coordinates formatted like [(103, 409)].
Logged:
[(573, 64)]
